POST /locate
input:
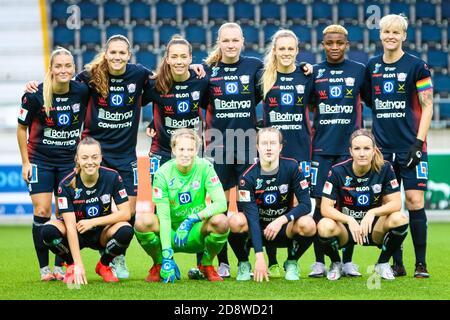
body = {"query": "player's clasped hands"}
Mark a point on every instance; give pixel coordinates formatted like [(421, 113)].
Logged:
[(182, 233), (366, 225), (355, 230)]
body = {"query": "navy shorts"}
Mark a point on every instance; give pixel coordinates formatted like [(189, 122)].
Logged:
[(127, 168), (280, 241), (156, 161), (412, 178), (90, 239), (320, 166), (46, 178)]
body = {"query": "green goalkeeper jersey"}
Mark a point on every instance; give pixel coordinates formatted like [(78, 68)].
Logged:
[(177, 195)]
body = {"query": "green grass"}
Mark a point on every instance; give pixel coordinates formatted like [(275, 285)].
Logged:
[(19, 276)]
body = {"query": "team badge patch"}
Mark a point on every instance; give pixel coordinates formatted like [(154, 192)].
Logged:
[(157, 193), (327, 188), (244, 196), (62, 203), (394, 183), (184, 197), (123, 193), (23, 114)]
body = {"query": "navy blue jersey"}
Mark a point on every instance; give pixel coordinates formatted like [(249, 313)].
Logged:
[(53, 139), (233, 97), (91, 202), (265, 196), (285, 107), (179, 108), (396, 109), (114, 121), (337, 106), (355, 195)]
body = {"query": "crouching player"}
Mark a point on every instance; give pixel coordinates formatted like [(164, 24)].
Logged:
[(361, 204), (266, 192), (84, 202), (184, 222)]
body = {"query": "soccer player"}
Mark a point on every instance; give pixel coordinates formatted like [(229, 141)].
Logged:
[(266, 192), (183, 221), (402, 106), (84, 201), (48, 130), (361, 204), (338, 85)]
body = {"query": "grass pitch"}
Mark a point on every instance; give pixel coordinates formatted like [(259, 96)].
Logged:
[(19, 276)]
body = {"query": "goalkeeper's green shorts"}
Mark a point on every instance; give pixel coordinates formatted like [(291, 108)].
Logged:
[(195, 243)]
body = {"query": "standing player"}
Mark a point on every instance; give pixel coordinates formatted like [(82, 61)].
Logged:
[(266, 194), (184, 222), (361, 204), (338, 84), (84, 202), (48, 131), (402, 108)]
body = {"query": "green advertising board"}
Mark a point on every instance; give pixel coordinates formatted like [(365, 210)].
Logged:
[(438, 195)]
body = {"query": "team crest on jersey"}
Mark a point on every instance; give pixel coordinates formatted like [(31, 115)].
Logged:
[(77, 193), (259, 183), (348, 180), (245, 79), (363, 199), (270, 198), (283, 188), (350, 82), (106, 198), (195, 185), (184, 197), (401, 76), (195, 95), (131, 87), (93, 211), (76, 107), (300, 89), (320, 73), (376, 188)]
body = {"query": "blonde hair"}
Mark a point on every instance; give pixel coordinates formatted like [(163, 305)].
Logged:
[(185, 132), (272, 130), (269, 75), (98, 67), (377, 160), (390, 20), (86, 141), (48, 80), (335, 28), (164, 79), (216, 54)]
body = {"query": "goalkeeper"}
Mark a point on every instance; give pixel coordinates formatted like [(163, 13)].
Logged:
[(184, 222)]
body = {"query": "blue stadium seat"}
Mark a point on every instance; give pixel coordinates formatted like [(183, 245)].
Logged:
[(445, 7), (374, 35), (306, 56), (319, 29), (143, 35), (89, 11), (358, 56), (411, 35), (367, 113), (147, 59), (140, 11), (437, 59), (347, 11), (114, 11), (414, 53), (355, 34), (322, 11), (400, 7), (251, 34), (269, 30), (426, 11), (166, 32), (431, 34), (253, 53), (90, 36), (441, 84), (214, 33), (303, 33), (63, 37), (88, 56), (166, 11), (295, 12), (113, 30), (217, 11), (198, 55), (270, 11), (444, 111), (244, 11), (192, 11), (196, 35), (59, 11)]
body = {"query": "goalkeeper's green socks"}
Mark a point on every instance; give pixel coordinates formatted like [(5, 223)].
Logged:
[(214, 242), (151, 243)]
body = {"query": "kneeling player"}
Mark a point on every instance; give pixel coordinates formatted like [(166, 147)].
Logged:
[(87, 220), (361, 204), (184, 223), (266, 192)]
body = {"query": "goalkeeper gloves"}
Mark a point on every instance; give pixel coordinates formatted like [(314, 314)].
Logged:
[(182, 233), (169, 269), (414, 154)]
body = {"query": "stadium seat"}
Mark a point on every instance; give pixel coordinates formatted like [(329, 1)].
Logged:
[(89, 12), (322, 11), (140, 11), (437, 59), (198, 55), (217, 12), (268, 31), (192, 11), (244, 12), (90, 36), (295, 12), (143, 35), (59, 11), (441, 84), (319, 29), (400, 7), (253, 53), (303, 33), (114, 11), (166, 32), (444, 111), (196, 35), (358, 56), (147, 59), (251, 34), (431, 35), (348, 11), (426, 11), (63, 37), (88, 56), (355, 35), (306, 56), (166, 11), (113, 30), (270, 11), (445, 7)]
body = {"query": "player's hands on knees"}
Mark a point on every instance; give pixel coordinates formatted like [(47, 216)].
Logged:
[(366, 225), (182, 233), (355, 230), (31, 86), (272, 229), (415, 154), (26, 172), (169, 269), (260, 273), (85, 225)]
